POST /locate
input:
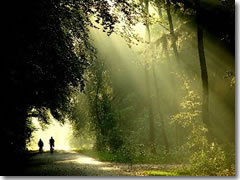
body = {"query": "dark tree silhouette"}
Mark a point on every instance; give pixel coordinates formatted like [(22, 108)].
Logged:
[(204, 73), (171, 29), (46, 53)]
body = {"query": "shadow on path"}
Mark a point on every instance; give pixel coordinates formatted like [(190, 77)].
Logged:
[(63, 163)]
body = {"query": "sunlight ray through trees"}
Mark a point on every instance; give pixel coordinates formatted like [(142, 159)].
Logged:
[(129, 81)]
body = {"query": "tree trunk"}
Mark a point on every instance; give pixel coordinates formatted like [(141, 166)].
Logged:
[(165, 140), (150, 115), (171, 29), (176, 54), (100, 142), (204, 74), (149, 103), (146, 2), (173, 101)]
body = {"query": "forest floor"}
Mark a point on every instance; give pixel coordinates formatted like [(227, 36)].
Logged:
[(70, 163)]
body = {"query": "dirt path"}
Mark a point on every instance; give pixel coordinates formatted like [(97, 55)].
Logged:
[(63, 163)]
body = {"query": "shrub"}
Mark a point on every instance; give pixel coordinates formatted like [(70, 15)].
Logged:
[(211, 161)]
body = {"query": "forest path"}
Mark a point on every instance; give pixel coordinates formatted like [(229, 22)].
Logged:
[(70, 163)]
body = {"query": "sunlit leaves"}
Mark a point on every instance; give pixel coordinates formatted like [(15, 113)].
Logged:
[(211, 161), (232, 82), (191, 101), (185, 119)]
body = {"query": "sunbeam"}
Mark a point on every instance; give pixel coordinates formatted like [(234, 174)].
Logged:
[(60, 132)]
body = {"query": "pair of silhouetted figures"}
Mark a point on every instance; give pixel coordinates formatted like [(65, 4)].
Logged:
[(51, 142)]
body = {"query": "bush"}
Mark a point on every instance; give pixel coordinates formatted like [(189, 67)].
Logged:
[(211, 161)]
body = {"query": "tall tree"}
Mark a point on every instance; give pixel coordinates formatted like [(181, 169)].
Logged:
[(171, 29), (152, 136), (163, 131), (202, 59), (46, 52), (176, 54), (148, 89)]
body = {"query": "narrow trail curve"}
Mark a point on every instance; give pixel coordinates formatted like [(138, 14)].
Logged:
[(69, 163)]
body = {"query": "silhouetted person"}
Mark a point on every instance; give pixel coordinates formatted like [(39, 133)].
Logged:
[(51, 142), (40, 145)]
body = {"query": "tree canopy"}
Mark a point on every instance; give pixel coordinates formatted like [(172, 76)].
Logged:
[(55, 63)]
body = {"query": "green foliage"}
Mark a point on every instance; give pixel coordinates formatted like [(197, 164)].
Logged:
[(211, 161), (47, 52), (206, 159), (50, 59), (161, 173)]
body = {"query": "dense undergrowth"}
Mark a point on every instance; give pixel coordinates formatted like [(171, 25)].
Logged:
[(211, 161)]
